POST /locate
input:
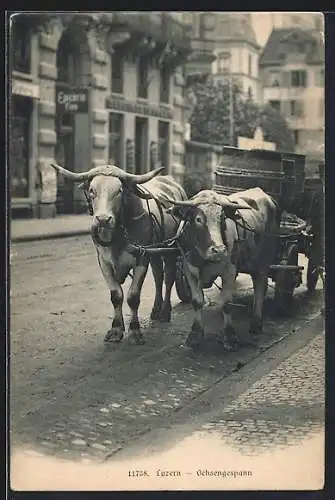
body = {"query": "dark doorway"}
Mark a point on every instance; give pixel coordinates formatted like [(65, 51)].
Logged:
[(65, 157), (141, 145), (19, 146)]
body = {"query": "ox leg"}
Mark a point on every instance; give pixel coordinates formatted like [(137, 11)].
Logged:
[(158, 274), (260, 285), (196, 336), (115, 334), (228, 338), (169, 277), (133, 299)]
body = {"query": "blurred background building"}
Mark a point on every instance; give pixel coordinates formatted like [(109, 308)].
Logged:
[(229, 49), (100, 87), (292, 68)]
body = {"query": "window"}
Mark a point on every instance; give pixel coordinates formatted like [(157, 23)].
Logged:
[(223, 62), (274, 79), (301, 48), (249, 64), (142, 77), (296, 108), (250, 93), (164, 85), (19, 147), (195, 24), (21, 44), (207, 24), (117, 70), (298, 78), (163, 144), (320, 77), (115, 150), (275, 105), (296, 137), (66, 62)]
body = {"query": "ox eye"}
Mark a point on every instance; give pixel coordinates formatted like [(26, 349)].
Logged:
[(198, 219), (92, 193)]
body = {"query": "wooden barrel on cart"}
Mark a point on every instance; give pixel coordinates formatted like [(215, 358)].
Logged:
[(279, 174)]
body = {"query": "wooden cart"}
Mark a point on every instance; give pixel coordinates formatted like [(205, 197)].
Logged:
[(282, 175)]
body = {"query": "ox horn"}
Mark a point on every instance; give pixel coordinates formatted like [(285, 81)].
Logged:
[(184, 203), (237, 205), (108, 170), (227, 204)]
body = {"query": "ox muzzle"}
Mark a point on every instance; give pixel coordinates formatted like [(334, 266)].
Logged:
[(103, 228), (216, 253)]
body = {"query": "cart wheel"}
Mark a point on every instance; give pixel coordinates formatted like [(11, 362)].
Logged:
[(285, 281), (182, 286)]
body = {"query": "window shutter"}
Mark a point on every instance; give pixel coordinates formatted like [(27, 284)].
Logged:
[(286, 78), (300, 109), (285, 108)]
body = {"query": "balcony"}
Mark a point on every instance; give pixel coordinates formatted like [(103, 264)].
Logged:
[(161, 27)]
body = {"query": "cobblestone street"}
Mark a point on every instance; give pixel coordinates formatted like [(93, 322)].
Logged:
[(282, 408), (75, 399)]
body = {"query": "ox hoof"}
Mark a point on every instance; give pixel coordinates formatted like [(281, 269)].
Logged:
[(114, 335), (193, 341), (165, 315), (256, 328), (155, 315), (156, 311), (135, 337), (230, 346)]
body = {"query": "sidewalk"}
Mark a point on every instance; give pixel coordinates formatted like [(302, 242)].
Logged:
[(41, 229)]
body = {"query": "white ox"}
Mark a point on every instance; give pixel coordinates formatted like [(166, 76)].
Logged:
[(214, 244), (120, 217)]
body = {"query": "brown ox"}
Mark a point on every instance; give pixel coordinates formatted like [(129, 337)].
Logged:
[(214, 244), (121, 217)]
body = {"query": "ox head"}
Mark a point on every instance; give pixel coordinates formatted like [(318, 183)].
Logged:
[(205, 215), (104, 187)]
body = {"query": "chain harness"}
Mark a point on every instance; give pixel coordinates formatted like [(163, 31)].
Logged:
[(157, 228)]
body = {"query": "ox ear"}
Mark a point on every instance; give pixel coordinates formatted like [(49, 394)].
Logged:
[(139, 191), (182, 212), (230, 212), (231, 207), (84, 186)]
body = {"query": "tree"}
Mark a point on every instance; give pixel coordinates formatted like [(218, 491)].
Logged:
[(275, 129), (210, 120)]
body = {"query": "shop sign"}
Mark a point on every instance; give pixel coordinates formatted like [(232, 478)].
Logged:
[(73, 100), (26, 89)]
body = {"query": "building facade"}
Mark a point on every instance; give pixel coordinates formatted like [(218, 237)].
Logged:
[(237, 53), (302, 20), (292, 73), (227, 49), (201, 33), (87, 89)]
